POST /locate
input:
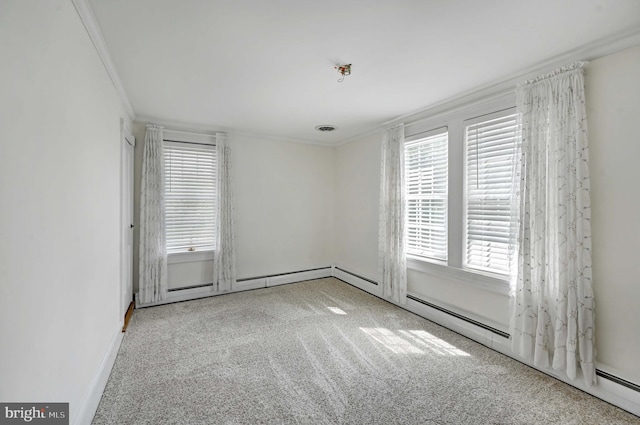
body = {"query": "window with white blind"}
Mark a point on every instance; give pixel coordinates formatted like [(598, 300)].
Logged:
[(190, 196), (426, 159), (490, 143)]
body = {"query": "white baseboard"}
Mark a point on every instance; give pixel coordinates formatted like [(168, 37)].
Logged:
[(356, 281), (180, 295), (283, 279), (607, 390), (243, 285), (298, 276), (616, 394), (99, 382), (246, 285), (476, 333)]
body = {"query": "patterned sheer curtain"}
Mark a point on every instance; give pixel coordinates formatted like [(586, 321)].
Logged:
[(224, 269), (552, 321), (391, 248), (153, 250)]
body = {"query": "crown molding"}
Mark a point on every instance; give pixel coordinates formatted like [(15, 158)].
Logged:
[(90, 23), (203, 129), (507, 84)]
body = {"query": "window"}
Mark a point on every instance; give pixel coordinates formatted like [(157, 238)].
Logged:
[(458, 185), (489, 151), (190, 196), (426, 194)]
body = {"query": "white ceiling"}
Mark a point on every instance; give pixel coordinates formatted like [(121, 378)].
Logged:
[(266, 67)]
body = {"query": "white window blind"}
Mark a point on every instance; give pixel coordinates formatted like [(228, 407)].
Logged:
[(490, 143), (190, 196), (426, 195)]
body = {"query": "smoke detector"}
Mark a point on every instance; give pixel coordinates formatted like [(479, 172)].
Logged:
[(325, 128)]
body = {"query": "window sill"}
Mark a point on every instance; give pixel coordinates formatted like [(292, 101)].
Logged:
[(494, 284), (189, 257)]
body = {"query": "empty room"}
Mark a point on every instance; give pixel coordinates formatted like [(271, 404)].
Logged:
[(319, 212)]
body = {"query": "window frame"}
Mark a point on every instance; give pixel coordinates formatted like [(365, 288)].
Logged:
[(466, 123), (414, 139), (175, 136), (454, 118)]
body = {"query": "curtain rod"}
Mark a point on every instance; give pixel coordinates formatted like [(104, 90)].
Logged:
[(190, 143), (581, 65), (194, 133)]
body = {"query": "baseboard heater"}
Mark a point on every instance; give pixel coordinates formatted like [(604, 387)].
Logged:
[(618, 380), (357, 275), (281, 274), (460, 316), (182, 288), (204, 285), (601, 373)]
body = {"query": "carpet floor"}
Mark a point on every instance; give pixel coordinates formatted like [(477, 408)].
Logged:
[(323, 352)]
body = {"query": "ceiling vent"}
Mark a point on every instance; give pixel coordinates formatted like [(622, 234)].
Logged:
[(325, 128)]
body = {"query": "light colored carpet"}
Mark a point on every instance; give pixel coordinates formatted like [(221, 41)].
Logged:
[(323, 352)]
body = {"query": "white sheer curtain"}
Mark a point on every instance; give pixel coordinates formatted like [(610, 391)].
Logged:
[(552, 298), (153, 250), (391, 248), (224, 269)]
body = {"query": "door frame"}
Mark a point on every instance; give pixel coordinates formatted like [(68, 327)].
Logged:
[(127, 146)]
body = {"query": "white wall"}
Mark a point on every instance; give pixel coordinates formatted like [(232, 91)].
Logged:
[(60, 208), (613, 111), (357, 186), (284, 206), (283, 196), (613, 99)]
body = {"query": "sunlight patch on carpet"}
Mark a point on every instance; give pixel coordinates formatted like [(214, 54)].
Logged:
[(336, 310), (435, 344), (392, 341)]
